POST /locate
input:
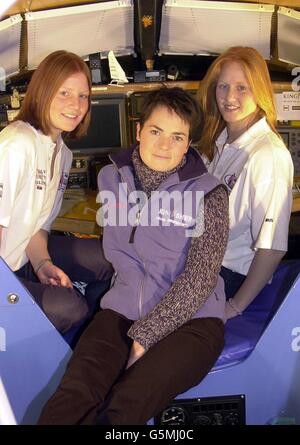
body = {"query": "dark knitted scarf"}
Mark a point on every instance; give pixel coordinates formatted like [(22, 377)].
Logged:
[(147, 179)]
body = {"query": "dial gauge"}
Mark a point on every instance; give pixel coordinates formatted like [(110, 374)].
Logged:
[(174, 415)]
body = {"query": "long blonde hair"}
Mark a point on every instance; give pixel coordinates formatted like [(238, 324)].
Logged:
[(258, 77)]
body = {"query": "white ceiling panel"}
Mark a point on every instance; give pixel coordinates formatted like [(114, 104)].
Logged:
[(207, 27), (82, 29), (10, 33)]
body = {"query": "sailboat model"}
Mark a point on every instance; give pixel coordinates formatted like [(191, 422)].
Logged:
[(117, 73)]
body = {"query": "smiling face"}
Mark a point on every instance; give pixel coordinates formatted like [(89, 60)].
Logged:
[(69, 105), (234, 97), (164, 139)]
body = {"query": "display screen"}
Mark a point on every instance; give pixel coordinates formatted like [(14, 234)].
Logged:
[(108, 127)]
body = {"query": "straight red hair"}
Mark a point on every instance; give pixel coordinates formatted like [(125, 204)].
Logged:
[(257, 74), (45, 82)]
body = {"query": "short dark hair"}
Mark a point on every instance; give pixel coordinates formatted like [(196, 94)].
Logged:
[(177, 100)]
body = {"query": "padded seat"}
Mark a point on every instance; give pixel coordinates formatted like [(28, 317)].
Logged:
[(261, 357), (243, 332)]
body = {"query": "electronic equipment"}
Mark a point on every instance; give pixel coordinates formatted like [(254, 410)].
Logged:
[(135, 105), (12, 114), (3, 115), (173, 72), (9, 107), (95, 166), (84, 171), (78, 180), (224, 410), (136, 101), (291, 138), (95, 68), (108, 128), (5, 101), (149, 76), (79, 173)]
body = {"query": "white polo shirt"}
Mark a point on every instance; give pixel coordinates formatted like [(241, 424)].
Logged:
[(257, 170), (29, 200)]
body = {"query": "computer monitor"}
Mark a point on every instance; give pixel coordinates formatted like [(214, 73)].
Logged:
[(108, 128)]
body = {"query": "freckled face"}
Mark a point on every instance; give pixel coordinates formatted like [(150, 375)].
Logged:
[(69, 105), (164, 139), (234, 96)]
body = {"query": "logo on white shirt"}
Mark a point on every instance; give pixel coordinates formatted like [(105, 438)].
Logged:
[(63, 182), (230, 180), (40, 179), (1, 190)]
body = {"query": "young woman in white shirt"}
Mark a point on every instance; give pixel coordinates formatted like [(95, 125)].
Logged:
[(244, 150), (34, 170)]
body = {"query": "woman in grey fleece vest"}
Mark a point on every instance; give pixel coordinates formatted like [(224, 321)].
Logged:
[(161, 326)]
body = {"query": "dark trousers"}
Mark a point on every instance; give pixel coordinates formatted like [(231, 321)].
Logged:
[(232, 281), (82, 259), (96, 383)]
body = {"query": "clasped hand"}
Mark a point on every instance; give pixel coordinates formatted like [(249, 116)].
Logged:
[(51, 274)]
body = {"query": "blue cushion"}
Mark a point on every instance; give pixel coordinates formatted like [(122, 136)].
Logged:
[(243, 332)]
